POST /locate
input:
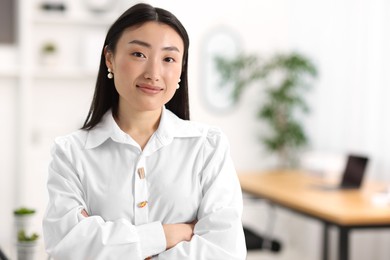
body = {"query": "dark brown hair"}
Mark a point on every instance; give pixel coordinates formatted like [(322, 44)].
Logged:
[(106, 97)]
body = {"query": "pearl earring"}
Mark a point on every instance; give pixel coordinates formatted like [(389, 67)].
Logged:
[(110, 75), (178, 85)]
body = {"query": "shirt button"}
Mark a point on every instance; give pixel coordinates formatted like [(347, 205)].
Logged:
[(141, 173), (142, 204)]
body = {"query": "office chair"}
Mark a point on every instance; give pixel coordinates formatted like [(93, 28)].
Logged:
[(256, 241), (2, 255)]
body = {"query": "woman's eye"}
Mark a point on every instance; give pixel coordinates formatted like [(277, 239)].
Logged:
[(169, 59), (138, 54)]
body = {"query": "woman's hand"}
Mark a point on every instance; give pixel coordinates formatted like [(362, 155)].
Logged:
[(176, 233), (84, 213)]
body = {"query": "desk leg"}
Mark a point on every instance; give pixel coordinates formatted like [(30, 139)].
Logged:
[(343, 243), (325, 241)]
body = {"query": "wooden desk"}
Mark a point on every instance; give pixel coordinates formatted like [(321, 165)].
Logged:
[(346, 209)]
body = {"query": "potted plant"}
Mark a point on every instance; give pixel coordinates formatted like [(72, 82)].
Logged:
[(27, 245), (23, 211), (23, 217), (285, 80), (49, 54)]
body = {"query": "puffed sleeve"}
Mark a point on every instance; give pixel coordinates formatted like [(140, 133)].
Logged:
[(69, 235), (218, 234)]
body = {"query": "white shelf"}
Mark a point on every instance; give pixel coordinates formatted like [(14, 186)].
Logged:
[(63, 19), (9, 72), (64, 73), (51, 74)]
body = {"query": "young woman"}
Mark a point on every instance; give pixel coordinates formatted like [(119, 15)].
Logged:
[(140, 180)]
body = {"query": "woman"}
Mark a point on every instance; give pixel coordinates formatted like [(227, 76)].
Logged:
[(140, 180)]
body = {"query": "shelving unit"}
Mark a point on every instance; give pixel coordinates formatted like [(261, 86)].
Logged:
[(47, 99), (52, 99)]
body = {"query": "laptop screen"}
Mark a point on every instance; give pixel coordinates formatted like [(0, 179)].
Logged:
[(354, 171)]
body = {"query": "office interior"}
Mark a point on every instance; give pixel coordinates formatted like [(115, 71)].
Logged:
[(347, 40)]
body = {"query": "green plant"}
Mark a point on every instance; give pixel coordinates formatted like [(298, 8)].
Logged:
[(22, 237), (23, 211), (49, 47), (285, 80)]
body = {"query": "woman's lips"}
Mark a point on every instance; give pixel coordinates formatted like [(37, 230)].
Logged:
[(149, 89)]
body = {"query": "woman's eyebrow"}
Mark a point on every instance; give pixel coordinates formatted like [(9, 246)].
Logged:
[(142, 43), (147, 45), (171, 48)]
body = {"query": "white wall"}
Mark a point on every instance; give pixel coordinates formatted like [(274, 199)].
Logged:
[(350, 42), (347, 39)]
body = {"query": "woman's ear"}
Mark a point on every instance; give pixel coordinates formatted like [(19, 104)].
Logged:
[(108, 57)]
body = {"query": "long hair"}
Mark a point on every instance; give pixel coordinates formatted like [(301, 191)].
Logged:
[(106, 97)]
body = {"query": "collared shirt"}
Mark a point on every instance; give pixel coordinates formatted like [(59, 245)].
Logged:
[(184, 173)]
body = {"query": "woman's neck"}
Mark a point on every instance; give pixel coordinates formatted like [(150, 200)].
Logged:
[(140, 125)]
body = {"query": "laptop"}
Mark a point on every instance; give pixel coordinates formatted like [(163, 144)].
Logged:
[(353, 174)]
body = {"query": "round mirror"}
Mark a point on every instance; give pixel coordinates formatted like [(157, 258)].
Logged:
[(220, 42)]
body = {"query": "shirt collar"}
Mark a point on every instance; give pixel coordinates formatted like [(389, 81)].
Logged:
[(170, 127)]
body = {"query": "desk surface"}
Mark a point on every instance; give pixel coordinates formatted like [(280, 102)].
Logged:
[(295, 190)]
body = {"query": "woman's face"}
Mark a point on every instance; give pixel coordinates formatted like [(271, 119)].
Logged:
[(146, 65)]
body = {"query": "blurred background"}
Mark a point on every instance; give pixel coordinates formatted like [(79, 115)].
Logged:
[(50, 51)]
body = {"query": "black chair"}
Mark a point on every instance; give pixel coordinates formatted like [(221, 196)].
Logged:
[(256, 241), (265, 241), (2, 255)]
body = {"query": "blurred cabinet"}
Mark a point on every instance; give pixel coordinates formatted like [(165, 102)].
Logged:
[(56, 62), (42, 97)]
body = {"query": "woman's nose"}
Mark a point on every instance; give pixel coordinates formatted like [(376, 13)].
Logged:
[(152, 70)]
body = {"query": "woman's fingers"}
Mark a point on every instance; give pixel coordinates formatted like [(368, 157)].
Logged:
[(84, 213)]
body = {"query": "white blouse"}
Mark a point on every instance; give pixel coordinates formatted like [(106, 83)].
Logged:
[(184, 173)]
